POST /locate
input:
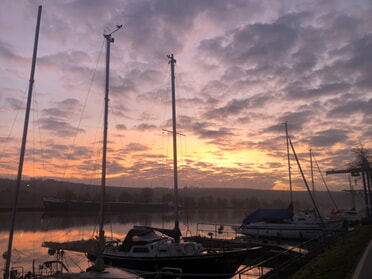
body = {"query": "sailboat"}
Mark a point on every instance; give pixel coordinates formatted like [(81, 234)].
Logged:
[(282, 223), (56, 269), (151, 249), (16, 271)]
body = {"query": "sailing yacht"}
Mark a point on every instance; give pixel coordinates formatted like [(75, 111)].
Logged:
[(151, 249), (282, 223), (56, 269)]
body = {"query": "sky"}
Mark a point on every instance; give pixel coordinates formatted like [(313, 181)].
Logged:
[(243, 69)]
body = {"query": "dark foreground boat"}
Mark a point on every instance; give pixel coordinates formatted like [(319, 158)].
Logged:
[(144, 250)]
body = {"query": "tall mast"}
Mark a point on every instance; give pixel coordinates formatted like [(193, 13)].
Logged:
[(172, 62), (23, 146), (289, 163), (101, 237)]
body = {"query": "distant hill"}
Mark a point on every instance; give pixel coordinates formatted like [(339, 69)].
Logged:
[(32, 193)]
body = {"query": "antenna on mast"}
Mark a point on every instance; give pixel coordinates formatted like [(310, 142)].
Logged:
[(108, 34)]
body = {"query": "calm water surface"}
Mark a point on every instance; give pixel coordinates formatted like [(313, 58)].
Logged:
[(33, 228)]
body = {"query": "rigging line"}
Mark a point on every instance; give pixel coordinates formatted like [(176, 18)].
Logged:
[(41, 145), (33, 141), (220, 177), (18, 109), (76, 263), (166, 159), (84, 107), (113, 114), (39, 132), (183, 153), (324, 182), (94, 165), (305, 181)]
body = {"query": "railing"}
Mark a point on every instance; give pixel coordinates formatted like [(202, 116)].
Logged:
[(216, 230)]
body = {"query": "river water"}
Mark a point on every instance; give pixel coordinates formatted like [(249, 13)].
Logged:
[(33, 228)]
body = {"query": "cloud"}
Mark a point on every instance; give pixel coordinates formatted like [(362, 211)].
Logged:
[(204, 131), (121, 127), (5, 51), (135, 147), (297, 91), (243, 69), (351, 107), (362, 53), (328, 138), (144, 126), (13, 103), (59, 127)]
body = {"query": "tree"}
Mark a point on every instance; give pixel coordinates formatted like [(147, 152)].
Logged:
[(363, 159), (125, 197), (147, 195)]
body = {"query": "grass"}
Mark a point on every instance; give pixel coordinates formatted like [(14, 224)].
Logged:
[(340, 260)]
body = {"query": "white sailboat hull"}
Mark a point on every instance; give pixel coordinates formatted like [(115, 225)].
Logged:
[(290, 230)]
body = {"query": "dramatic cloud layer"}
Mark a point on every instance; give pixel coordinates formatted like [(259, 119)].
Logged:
[(243, 69)]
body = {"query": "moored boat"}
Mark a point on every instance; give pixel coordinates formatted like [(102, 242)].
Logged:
[(53, 269), (282, 224), (144, 250)]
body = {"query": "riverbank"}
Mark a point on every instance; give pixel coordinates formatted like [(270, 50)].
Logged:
[(339, 261)]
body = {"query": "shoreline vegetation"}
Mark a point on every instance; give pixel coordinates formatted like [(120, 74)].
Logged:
[(340, 260), (33, 192)]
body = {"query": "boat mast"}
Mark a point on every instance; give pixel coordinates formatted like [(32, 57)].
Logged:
[(306, 184), (99, 266), (23, 147), (172, 62), (289, 163)]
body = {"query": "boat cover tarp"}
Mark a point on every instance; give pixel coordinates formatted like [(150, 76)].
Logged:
[(269, 215), (145, 234), (169, 232)]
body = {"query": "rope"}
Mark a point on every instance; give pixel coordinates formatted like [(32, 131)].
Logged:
[(84, 107)]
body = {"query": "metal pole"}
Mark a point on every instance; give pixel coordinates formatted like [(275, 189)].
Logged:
[(99, 265), (23, 146), (172, 61)]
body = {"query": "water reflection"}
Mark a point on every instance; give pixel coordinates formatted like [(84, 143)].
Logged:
[(42, 221), (33, 228)]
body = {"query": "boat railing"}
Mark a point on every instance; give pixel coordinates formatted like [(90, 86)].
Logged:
[(216, 230), (268, 265)]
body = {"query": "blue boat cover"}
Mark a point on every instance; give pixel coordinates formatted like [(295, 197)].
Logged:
[(269, 215)]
